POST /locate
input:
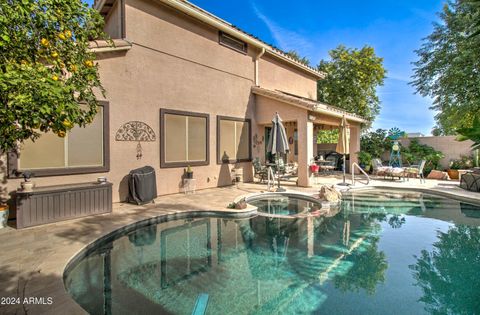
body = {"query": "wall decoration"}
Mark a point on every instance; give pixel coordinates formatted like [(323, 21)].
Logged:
[(136, 131), (257, 142)]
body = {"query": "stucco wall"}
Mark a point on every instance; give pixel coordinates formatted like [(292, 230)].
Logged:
[(451, 148), (113, 21), (176, 63), (276, 75)]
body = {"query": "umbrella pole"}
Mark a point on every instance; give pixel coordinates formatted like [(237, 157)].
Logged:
[(280, 189), (344, 172)]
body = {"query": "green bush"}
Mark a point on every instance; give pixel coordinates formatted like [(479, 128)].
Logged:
[(464, 162), (375, 143), (416, 152), (327, 136), (364, 159)]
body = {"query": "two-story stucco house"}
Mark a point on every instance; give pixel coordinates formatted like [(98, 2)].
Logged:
[(203, 90)]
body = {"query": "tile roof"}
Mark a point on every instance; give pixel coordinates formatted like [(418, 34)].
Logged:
[(307, 103)]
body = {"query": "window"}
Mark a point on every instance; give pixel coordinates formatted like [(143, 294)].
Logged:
[(231, 42), (184, 138), (82, 150), (233, 139)]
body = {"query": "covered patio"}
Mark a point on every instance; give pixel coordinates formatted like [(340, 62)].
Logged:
[(303, 118)]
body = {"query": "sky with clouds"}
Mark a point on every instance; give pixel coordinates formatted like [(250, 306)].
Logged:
[(395, 28)]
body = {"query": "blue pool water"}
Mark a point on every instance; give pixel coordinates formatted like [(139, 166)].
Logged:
[(381, 252)]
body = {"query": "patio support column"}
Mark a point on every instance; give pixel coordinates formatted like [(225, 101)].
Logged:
[(305, 150), (354, 145)]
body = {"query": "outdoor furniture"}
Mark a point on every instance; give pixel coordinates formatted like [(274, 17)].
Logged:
[(416, 171), (395, 172), (189, 185), (260, 171), (470, 182), (50, 204), (379, 169), (314, 169), (291, 169), (326, 166)]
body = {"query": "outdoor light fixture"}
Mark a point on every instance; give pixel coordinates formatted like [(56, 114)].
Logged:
[(311, 117)]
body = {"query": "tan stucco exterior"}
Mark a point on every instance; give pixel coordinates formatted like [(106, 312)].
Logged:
[(176, 62), (277, 75)]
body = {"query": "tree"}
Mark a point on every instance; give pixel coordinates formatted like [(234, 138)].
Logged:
[(449, 64), (448, 273), (353, 76), (296, 56), (47, 74), (472, 133), (375, 143), (367, 271)]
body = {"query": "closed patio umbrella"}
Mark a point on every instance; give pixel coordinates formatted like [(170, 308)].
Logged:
[(343, 145), (278, 142)]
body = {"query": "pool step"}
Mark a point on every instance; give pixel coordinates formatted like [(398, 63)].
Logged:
[(201, 304)]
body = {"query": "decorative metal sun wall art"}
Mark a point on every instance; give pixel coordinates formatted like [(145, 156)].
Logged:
[(136, 131)]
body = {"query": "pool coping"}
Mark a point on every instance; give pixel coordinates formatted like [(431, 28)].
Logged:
[(432, 191)]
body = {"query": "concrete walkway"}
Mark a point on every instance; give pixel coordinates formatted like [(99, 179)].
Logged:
[(32, 260)]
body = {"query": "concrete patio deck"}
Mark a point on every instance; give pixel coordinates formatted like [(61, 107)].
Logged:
[(33, 260)]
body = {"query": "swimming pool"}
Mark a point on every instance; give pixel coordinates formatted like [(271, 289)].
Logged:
[(380, 252)]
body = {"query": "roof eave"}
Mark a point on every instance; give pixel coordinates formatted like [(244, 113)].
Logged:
[(308, 105)]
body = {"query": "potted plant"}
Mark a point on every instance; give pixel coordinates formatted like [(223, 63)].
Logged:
[(453, 169), (27, 184), (459, 166), (364, 160), (189, 173)]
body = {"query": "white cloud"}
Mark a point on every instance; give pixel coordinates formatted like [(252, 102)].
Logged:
[(285, 39)]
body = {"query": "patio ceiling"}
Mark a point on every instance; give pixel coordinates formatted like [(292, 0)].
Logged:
[(306, 103)]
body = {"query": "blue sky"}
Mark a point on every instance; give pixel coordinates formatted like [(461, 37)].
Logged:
[(393, 28)]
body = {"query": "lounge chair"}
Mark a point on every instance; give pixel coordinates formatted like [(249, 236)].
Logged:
[(416, 171), (260, 171), (379, 169)]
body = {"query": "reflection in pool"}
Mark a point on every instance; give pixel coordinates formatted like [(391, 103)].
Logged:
[(382, 252)]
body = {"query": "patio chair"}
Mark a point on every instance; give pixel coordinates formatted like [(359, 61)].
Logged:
[(291, 169), (260, 171), (379, 169), (416, 171)]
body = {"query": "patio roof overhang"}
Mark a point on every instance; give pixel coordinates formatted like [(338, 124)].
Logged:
[(307, 104)]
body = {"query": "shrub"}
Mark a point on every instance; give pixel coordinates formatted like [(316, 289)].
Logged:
[(364, 159), (375, 143), (464, 162), (416, 152)]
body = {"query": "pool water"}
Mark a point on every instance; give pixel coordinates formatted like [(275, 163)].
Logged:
[(381, 252)]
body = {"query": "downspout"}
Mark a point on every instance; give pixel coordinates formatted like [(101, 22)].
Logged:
[(262, 51)]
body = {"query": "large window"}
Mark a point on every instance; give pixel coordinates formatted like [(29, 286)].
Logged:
[(82, 150), (184, 138), (233, 140)]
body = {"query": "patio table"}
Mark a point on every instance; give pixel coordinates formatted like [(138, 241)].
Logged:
[(325, 166)]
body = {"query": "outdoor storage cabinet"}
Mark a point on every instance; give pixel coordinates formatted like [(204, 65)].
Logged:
[(57, 203)]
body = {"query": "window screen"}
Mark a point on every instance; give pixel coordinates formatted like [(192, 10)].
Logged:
[(233, 136), (184, 138), (81, 147)]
